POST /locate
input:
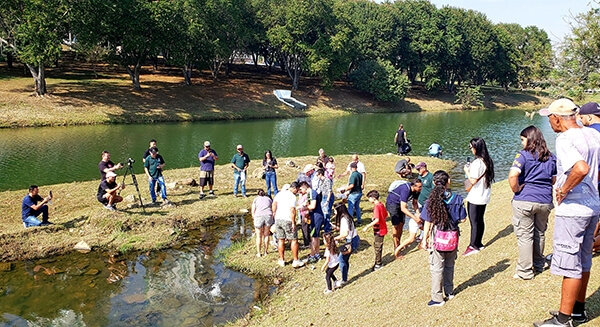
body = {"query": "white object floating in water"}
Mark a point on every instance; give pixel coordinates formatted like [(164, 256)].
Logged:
[(244, 210), (285, 96)]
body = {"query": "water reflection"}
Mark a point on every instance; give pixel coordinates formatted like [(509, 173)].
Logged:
[(184, 286), (64, 154)]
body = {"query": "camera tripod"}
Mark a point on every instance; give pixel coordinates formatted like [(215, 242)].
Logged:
[(129, 171)]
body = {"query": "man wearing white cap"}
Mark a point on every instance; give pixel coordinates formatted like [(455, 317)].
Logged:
[(578, 206), (207, 157), (107, 191), (239, 163)]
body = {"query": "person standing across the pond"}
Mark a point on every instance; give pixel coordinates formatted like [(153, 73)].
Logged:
[(107, 191), (481, 175), (207, 158), (239, 163), (153, 167), (152, 144), (435, 150), (30, 208), (531, 177), (106, 165), (576, 213), (269, 165), (354, 192), (400, 139)]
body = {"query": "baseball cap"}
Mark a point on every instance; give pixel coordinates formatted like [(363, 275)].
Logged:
[(154, 150), (321, 150), (207, 143), (308, 168), (111, 174), (239, 146), (561, 107), (401, 165), (590, 108), (421, 165)]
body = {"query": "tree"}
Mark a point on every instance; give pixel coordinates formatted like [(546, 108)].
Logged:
[(129, 28), (34, 30), (381, 79), (584, 43), (303, 32)]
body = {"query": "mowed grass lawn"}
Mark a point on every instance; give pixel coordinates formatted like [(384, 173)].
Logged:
[(396, 295)]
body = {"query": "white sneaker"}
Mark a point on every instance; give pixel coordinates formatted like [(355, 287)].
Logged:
[(297, 263), (109, 207), (281, 263), (327, 291), (337, 284)]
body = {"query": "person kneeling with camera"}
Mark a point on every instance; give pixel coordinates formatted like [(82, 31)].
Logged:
[(107, 191)]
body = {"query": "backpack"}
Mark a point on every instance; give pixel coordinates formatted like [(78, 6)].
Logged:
[(446, 238)]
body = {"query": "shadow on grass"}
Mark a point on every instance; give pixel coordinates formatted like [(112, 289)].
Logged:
[(74, 222), (359, 276), (483, 276), (503, 233), (593, 305)]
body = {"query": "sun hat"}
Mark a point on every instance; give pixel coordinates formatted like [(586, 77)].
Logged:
[(561, 107), (308, 168)]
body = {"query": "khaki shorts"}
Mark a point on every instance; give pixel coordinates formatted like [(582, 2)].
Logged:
[(207, 178), (283, 230)]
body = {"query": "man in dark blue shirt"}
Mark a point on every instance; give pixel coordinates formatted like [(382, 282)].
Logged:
[(31, 209)]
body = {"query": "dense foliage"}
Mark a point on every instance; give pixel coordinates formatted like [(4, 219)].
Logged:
[(330, 39), (381, 79)]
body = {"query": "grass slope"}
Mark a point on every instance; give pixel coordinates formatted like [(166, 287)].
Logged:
[(76, 97), (486, 293)]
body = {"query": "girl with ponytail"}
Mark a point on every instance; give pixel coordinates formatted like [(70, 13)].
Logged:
[(442, 213)]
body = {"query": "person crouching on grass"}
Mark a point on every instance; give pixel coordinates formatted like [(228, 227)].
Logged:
[(442, 212), (332, 261), (107, 191), (378, 224)]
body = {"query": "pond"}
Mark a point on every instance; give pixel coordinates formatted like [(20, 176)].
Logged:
[(47, 155), (183, 286)]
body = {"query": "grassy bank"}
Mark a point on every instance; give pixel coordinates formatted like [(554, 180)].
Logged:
[(486, 293), (76, 97), (78, 216)]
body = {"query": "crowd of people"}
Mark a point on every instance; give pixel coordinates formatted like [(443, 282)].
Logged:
[(541, 181)]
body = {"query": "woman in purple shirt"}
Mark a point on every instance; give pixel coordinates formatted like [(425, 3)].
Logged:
[(531, 178)]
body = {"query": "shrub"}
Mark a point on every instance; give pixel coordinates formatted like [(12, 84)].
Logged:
[(469, 97), (380, 79)]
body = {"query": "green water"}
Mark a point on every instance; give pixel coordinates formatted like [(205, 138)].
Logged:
[(64, 154), (183, 286)]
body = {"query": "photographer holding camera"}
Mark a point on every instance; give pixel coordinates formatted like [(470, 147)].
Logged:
[(31, 208), (107, 191), (153, 166), (106, 165)]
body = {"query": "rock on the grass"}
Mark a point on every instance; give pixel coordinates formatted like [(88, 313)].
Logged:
[(82, 246), (188, 181)]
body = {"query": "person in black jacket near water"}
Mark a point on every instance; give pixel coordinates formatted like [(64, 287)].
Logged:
[(400, 139)]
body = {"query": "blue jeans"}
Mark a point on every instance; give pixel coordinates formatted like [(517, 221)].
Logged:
[(327, 207), (344, 259), (31, 221), (237, 179), (271, 179), (163, 189), (354, 205)]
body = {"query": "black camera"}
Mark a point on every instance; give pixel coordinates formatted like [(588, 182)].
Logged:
[(130, 161)]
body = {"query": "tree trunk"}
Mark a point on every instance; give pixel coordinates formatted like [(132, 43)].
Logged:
[(215, 66), (135, 75), (9, 59), (187, 73), (39, 77)]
